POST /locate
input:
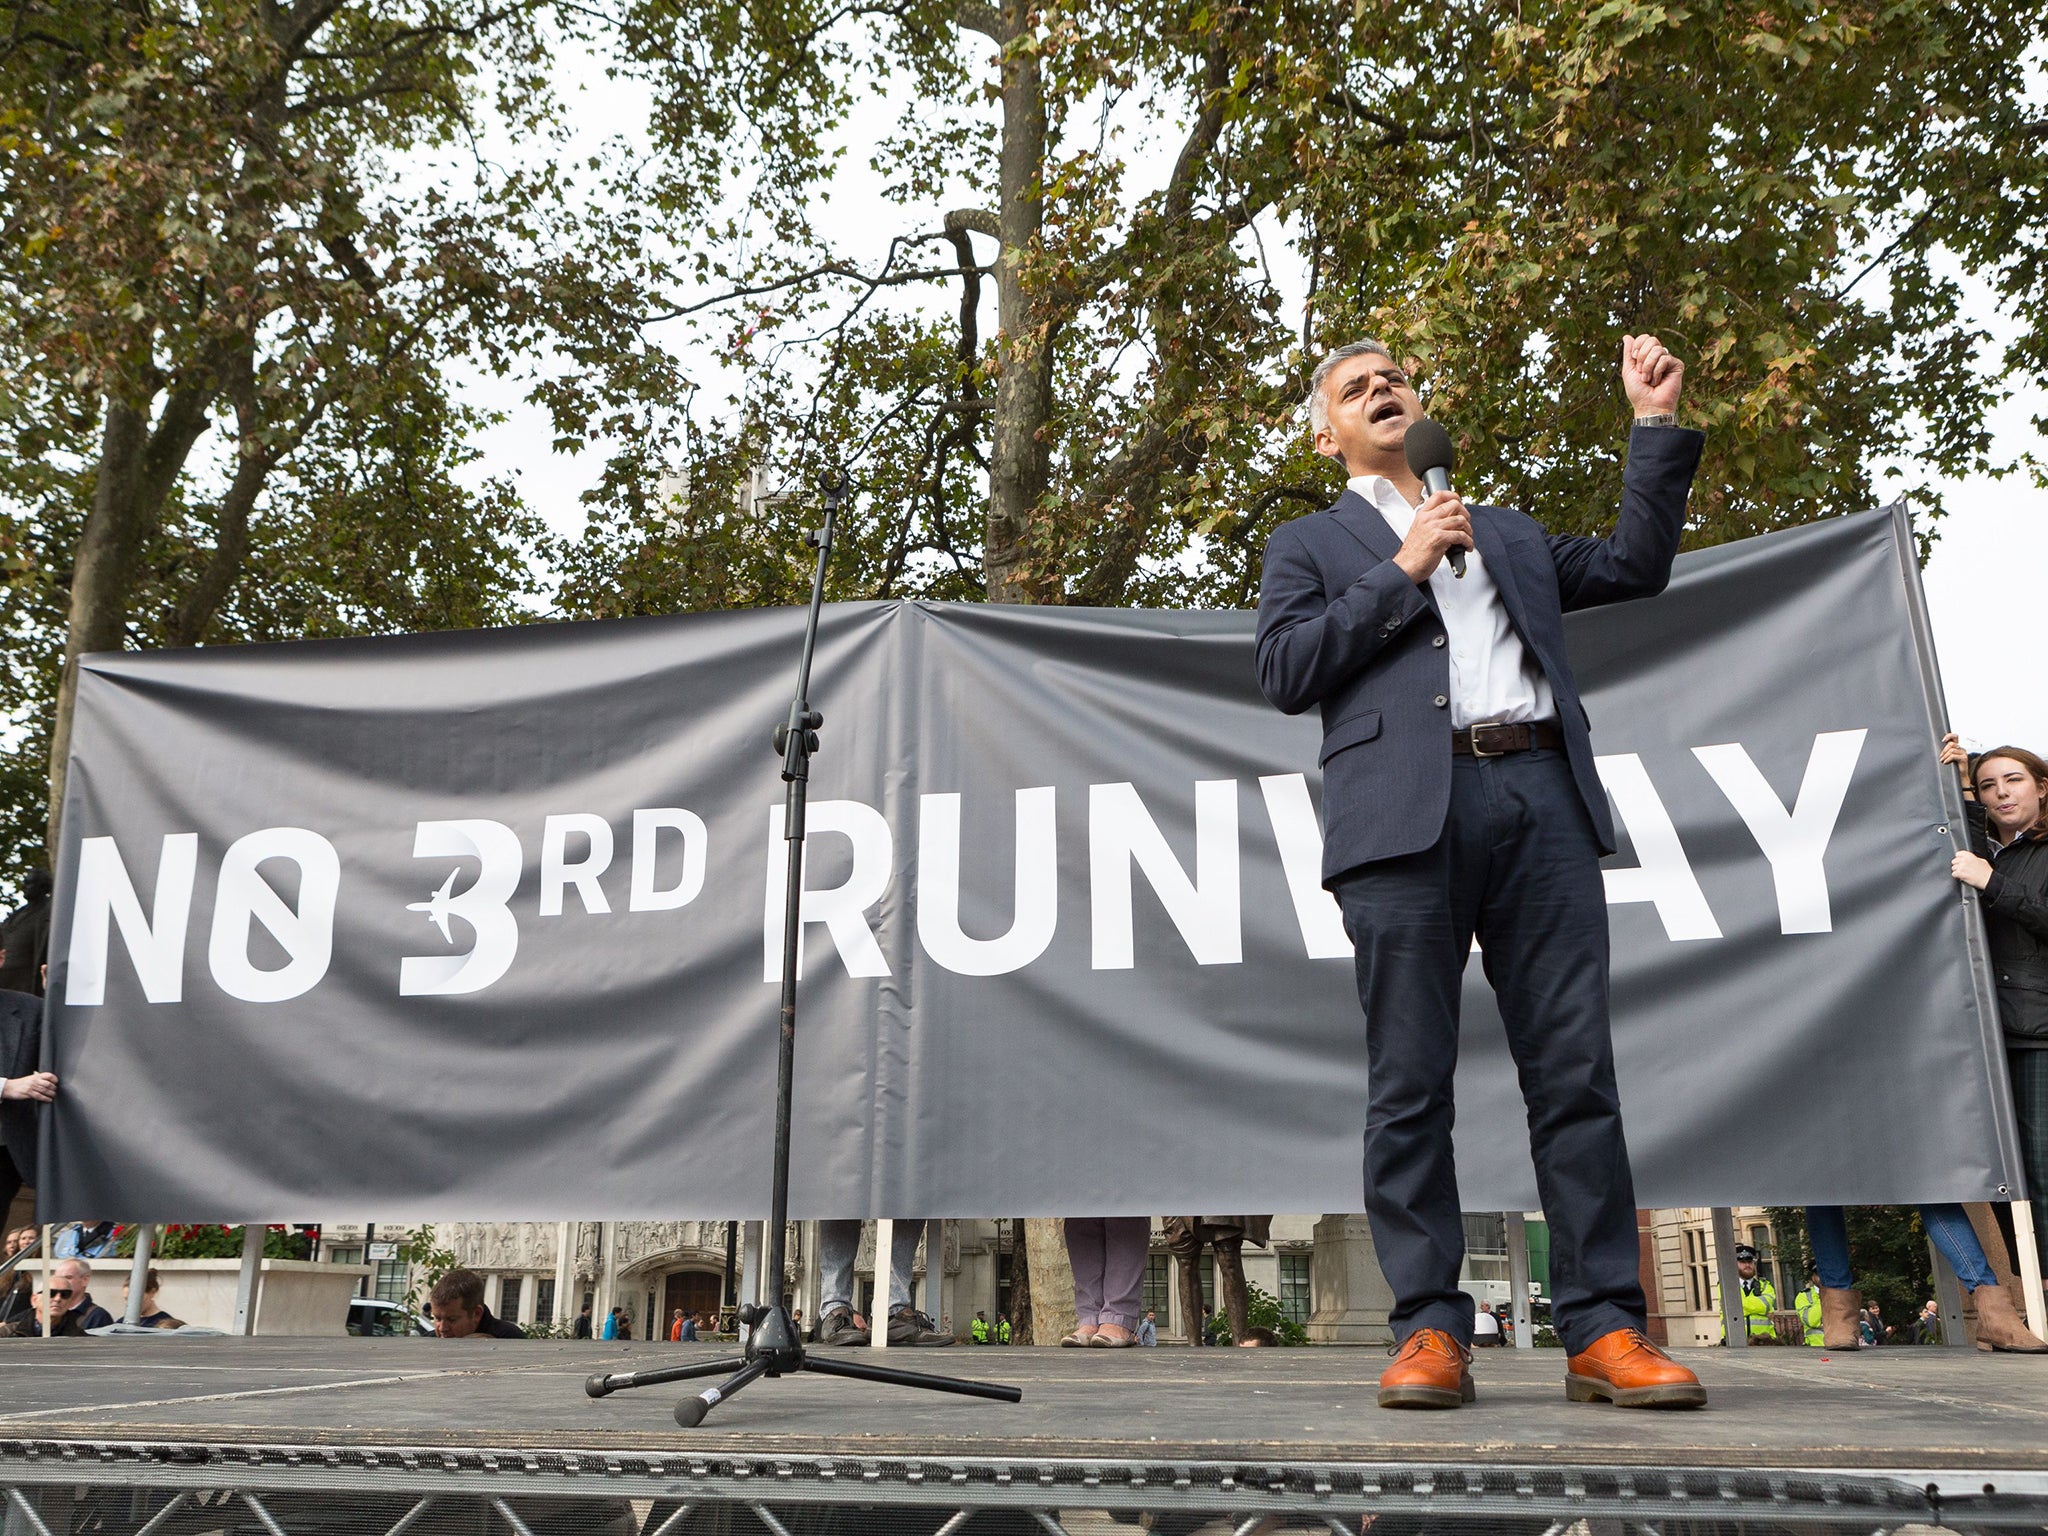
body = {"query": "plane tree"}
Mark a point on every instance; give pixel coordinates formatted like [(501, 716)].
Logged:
[(1060, 332), (248, 247)]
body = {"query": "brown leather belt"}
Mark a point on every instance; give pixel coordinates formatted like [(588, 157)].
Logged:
[(1494, 740)]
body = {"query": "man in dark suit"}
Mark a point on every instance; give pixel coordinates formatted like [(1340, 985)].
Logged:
[(1460, 798)]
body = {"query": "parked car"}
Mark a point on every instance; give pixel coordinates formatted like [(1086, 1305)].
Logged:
[(371, 1318)]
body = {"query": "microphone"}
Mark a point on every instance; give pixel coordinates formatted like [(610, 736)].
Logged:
[(1431, 457)]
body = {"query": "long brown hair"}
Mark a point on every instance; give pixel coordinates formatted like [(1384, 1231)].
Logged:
[(2037, 770)]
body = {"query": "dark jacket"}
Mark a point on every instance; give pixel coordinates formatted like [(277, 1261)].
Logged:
[(1342, 628), (21, 1035), (498, 1327), (25, 938), (88, 1314), (2016, 922)]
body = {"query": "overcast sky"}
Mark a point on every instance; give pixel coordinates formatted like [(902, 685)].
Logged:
[(1984, 593)]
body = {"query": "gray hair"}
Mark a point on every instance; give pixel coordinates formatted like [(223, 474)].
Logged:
[(1317, 407)]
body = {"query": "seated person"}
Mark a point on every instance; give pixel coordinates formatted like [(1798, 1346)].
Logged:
[(1485, 1326), (19, 1285), (152, 1315), (460, 1313), (69, 1300)]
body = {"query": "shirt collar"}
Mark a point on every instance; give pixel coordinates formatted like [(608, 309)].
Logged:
[(1379, 490)]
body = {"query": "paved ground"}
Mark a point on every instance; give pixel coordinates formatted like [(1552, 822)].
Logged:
[(1893, 1409)]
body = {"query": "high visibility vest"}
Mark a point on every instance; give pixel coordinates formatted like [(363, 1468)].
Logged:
[(1003, 1331), (1759, 1301), (1757, 1307), (1807, 1304), (979, 1330)]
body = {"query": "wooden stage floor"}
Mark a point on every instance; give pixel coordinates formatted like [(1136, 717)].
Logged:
[(1899, 1410)]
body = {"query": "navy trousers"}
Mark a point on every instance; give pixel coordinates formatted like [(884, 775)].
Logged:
[(1517, 865)]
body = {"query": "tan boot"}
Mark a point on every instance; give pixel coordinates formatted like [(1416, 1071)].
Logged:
[(1839, 1318), (1999, 1324)]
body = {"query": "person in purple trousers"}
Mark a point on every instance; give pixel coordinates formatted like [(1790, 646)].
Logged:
[(1108, 1256)]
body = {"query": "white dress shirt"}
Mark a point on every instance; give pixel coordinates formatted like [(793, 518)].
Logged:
[(1494, 679)]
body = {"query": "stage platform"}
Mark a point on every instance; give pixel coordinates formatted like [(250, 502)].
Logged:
[(285, 1435)]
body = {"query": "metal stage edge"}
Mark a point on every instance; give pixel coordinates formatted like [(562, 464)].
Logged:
[(1332, 1496)]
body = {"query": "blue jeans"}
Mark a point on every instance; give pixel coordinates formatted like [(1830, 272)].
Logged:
[(839, 1241), (1948, 1227)]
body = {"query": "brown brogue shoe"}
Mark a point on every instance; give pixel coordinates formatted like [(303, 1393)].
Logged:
[(1629, 1371), (1431, 1370)]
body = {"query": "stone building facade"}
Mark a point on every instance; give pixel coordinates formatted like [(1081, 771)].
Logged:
[(543, 1272)]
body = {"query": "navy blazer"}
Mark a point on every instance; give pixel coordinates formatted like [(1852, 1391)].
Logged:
[(1342, 627)]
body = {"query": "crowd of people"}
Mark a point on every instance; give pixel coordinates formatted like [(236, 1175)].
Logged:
[(25, 1309)]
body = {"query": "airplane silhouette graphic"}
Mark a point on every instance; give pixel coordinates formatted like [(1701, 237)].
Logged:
[(438, 908)]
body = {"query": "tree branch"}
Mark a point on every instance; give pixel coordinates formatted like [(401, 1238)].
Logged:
[(343, 249), (884, 279), (977, 17), (972, 220), (1201, 139), (231, 524), (292, 29)]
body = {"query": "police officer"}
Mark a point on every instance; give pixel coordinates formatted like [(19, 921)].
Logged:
[(978, 1329), (1759, 1298), (1807, 1304), (1002, 1327)]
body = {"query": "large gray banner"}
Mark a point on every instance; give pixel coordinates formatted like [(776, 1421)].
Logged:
[(487, 925)]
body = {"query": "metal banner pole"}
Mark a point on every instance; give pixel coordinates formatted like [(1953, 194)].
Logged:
[(49, 1242), (885, 1280), (1733, 1324), (248, 1282), (2030, 1266), (1948, 1295), (1518, 1279), (138, 1272)]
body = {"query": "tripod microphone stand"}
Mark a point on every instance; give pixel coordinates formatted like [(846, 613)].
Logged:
[(774, 1347)]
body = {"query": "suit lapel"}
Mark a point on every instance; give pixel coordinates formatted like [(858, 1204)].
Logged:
[(1361, 519)]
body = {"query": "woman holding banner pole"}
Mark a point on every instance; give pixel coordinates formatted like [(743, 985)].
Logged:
[(2009, 866)]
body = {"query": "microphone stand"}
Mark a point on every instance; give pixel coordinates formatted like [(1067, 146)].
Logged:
[(774, 1348)]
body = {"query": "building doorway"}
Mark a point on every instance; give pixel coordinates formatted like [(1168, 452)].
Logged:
[(693, 1291)]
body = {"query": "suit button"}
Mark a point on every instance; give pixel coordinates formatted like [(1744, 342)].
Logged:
[(1441, 701), (1438, 642)]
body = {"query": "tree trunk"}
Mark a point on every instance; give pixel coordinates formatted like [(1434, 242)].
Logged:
[(1020, 460), (1052, 1279), (1042, 1283), (1020, 1284), (137, 469), (99, 582)]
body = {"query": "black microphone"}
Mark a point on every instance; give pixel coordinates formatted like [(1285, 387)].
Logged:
[(1431, 457)]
